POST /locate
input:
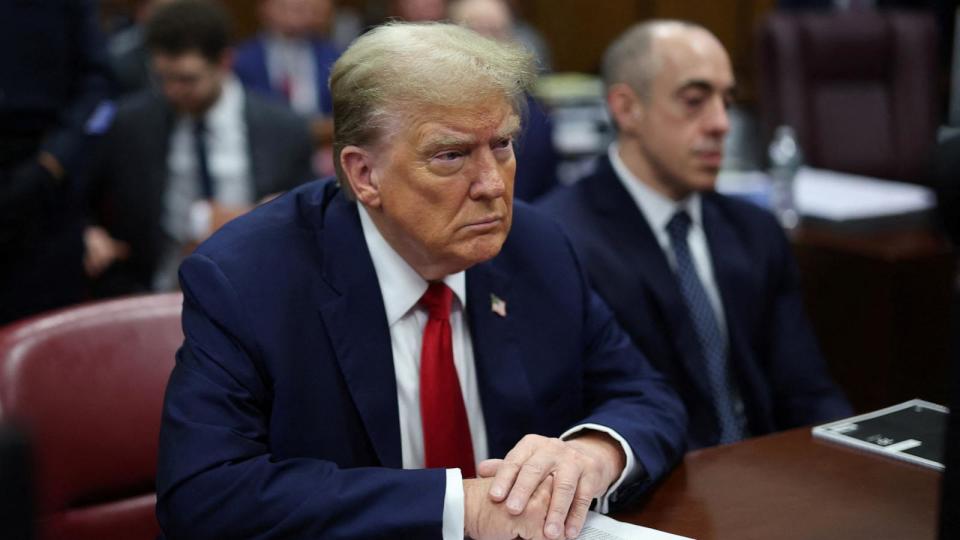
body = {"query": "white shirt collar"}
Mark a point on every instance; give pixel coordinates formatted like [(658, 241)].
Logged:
[(400, 284), (657, 208), (224, 112)]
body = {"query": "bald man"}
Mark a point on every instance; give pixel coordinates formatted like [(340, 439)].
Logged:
[(706, 285)]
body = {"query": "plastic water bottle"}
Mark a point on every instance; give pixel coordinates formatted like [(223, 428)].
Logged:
[(785, 160)]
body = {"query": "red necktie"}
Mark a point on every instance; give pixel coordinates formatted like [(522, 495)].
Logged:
[(286, 88), (446, 431)]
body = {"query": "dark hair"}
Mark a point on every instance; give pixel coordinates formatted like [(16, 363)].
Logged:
[(185, 26)]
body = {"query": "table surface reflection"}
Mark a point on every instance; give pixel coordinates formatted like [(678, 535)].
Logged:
[(792, 486)]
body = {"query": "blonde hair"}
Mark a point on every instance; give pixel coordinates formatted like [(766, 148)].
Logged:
[(399, 67)]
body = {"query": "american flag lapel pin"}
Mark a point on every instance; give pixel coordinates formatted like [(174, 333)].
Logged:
[(498, 305)]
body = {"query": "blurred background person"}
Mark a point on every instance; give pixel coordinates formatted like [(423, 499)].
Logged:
[(536, 156), (345, 25), (530, 37), (178, 164), (54, 83), (129, 58), (290, 60)]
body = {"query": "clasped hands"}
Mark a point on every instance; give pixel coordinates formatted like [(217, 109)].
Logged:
[(542, 488)]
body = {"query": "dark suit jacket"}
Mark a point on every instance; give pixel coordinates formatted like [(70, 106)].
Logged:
[(131, 174), (537, 158), (773, 353), (250, 65), (51, 87), (54, 95), (280, 418)]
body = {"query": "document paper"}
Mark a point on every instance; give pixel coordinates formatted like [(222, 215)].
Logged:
[(600, 527)]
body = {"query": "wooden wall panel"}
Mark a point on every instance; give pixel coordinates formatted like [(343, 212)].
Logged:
[(245, 18), (579, 30)]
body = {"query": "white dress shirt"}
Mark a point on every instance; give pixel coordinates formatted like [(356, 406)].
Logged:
[(658, 209), (402, 288), (290, 62), (228, 159)]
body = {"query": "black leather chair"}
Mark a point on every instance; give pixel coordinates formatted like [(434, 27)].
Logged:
[(859, 88)]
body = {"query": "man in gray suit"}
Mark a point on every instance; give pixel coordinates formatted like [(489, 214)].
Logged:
[(179, 163)]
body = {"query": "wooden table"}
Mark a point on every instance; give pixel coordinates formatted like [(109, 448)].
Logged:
[(792, 486)]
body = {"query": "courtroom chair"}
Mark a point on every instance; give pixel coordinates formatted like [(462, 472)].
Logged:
[(86, 384), (859, 88)]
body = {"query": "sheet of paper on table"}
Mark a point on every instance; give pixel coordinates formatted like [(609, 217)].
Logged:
[(832, 195), (600, 527), (838, 196)]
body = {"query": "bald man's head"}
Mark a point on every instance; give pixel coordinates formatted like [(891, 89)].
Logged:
[(491, 18), (637, 55), (669, 84)]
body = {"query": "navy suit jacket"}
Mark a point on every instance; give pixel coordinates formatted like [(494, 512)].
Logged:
[(537, 158), (281, 420), (250, 65), (773, 354)]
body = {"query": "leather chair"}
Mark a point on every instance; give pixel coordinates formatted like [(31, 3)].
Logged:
[(86, 384), (859, 88)]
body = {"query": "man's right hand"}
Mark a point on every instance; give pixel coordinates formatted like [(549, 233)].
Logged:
[(101, 250), (485, 519)]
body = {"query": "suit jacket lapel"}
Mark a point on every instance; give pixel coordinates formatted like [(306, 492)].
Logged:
[(504, 388), (630, 232), (356, 323)]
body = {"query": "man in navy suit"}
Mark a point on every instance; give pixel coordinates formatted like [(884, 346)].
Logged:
[(289, 62), (706, 285), (355, 352)]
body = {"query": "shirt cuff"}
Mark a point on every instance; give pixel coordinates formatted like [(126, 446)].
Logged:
[(453, 510), (201, 220), (630, 469)]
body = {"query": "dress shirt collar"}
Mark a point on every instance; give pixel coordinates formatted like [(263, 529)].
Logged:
[(400, 284), (223, 115), (655, 207)]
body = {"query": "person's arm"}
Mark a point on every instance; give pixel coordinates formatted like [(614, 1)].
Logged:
[(88, 111), (622, 393), (101, 249), (217, 477)]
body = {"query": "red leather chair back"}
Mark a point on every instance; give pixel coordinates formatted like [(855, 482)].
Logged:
[(858, 88), (87, 384)]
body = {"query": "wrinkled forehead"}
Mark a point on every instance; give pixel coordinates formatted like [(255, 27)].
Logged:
[(497, 116)]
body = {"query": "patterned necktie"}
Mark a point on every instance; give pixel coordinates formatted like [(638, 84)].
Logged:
[(713, 345), (446, 431), (203, 163)]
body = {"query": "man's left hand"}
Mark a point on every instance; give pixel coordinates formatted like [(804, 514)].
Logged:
[(583, 468)]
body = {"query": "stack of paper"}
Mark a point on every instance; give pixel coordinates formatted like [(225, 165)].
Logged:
[(600, 527)]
